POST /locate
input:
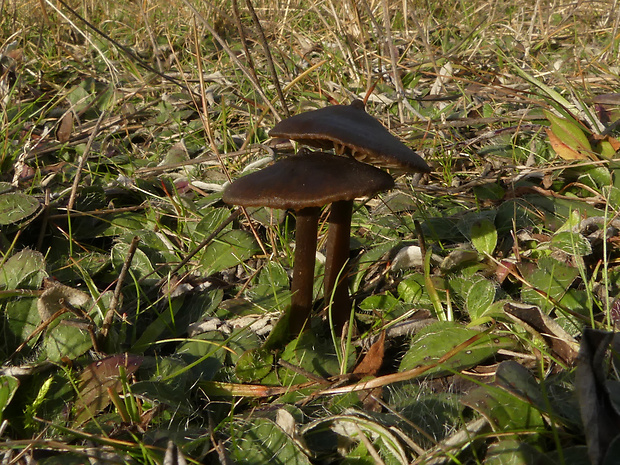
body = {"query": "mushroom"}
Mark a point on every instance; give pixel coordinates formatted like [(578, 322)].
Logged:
[(349, 130), (304, 184)]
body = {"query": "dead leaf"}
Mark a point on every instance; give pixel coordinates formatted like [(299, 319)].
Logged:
[(563, 150), (65, 128), (543, 326), (600, 419), (369, 366), (372, 361), (95, 381), (56, 295)]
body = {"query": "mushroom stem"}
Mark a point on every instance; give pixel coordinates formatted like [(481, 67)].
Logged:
[(303, 267), (336, 264)]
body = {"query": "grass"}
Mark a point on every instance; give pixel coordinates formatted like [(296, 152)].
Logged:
[(125, 120)]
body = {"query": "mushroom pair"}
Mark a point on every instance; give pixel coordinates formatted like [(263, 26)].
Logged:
[(306, 182)]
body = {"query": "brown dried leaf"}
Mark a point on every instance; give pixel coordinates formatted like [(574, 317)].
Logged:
[(563, 150), (534, 320), (56, 295), (369, 366), (372, 361), (65, 128), (95, 381), (600, 419)]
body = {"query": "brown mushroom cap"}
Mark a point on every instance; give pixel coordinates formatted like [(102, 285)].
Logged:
[(314, 180), (349, 127)]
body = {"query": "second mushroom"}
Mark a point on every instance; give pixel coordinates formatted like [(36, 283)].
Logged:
[(304, 183), (349, 130)]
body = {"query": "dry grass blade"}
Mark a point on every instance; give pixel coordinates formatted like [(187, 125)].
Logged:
[(234, 59)]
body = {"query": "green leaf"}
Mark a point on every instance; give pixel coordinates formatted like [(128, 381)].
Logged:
[(271, 290), (569, 133), (572, 243), (513, 452), (384, 306), (140, 263), (15, 207), (262, 440), (212, 218), (411, 289), (434, 341), (228, 250), (66, 340), (8, 388), (22, 318), (547, 275), (314, 354), (165, 321), (503, 410), (254, 365), (24, 270), (480, 298), (370, 436), (484, 236)]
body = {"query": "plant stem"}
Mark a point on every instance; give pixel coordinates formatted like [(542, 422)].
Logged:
[(303, 268), (336, 264)]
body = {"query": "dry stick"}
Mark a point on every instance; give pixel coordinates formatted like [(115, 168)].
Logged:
[(345, 53), (205, 159), (149, 32), (109, 316), (82, 162), (384, 380), (252, 69), (39, 329), (44, 219), (364, 38), (272, 68), (286, 89), (95, 213), (398, 84), (233, 57), (184, 262), (242, 35), (66, 307)]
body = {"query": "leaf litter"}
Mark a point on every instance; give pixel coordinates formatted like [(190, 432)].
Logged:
[(472, 285)]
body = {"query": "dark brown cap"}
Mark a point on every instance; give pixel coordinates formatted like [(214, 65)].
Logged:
[(350, 129), (311, 180)]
